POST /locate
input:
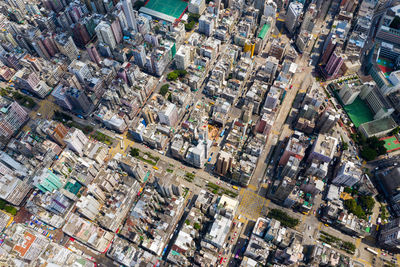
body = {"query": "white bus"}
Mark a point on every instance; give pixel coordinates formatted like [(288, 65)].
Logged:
[(372, 251), (326, 245), (122, 144)]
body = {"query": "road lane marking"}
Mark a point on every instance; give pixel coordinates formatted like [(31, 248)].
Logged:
[(363, 261)]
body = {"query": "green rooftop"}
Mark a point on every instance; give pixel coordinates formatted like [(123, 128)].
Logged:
[(264, 31), (73, 187), (173, 8)]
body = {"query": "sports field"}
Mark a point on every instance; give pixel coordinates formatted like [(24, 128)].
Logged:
[(359, 112), (173, 8), (391, 143)]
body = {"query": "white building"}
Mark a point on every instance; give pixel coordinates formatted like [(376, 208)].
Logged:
[(197, 6), (41, 89), (168, 115), (218, 231), (105, 34), (88, 206), (13, 189), (270, 9), (76, 140), (129, 14), (198, 155), (348, 93), (323, 148), (81, 70), (207, 24), (348, 175), (182, 59), (67, 46), (292, 16), (272, 99), (271, 67)]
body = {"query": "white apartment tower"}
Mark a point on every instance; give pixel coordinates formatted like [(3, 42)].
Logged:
[(292, 16), (182, 59), (129, 14), (105, 34)]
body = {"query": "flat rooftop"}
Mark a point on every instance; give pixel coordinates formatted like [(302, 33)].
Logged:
[(168, 10)]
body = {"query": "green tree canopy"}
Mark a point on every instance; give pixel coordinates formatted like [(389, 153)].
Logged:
[(345, 146), (367, 202), (369, 153), (164, 89), (172, 76), (396, 130), (134, 152)]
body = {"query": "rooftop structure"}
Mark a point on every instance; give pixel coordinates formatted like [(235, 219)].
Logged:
[(88, 233), (378, 127), (218, 231), (170, 10), (323, 148)]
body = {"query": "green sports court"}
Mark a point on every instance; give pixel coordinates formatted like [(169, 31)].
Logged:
[(391, 143), (359, 112), (172, 8)]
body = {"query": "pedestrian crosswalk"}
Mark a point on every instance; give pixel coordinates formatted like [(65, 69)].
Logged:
[(252, 205)]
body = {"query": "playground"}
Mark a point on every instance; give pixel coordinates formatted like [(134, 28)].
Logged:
[(391, 143)]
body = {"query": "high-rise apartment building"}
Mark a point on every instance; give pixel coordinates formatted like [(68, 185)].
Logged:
[(105, 34), (79, 101), (140, 56), (292, 16), (13, 117), (129, 14), (333, 66), (348, 175), (206, 24), (93, 53), (66, 46), (224, 162)]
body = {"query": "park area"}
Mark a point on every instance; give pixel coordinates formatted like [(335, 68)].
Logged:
[(391, 143), (173, 8)]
